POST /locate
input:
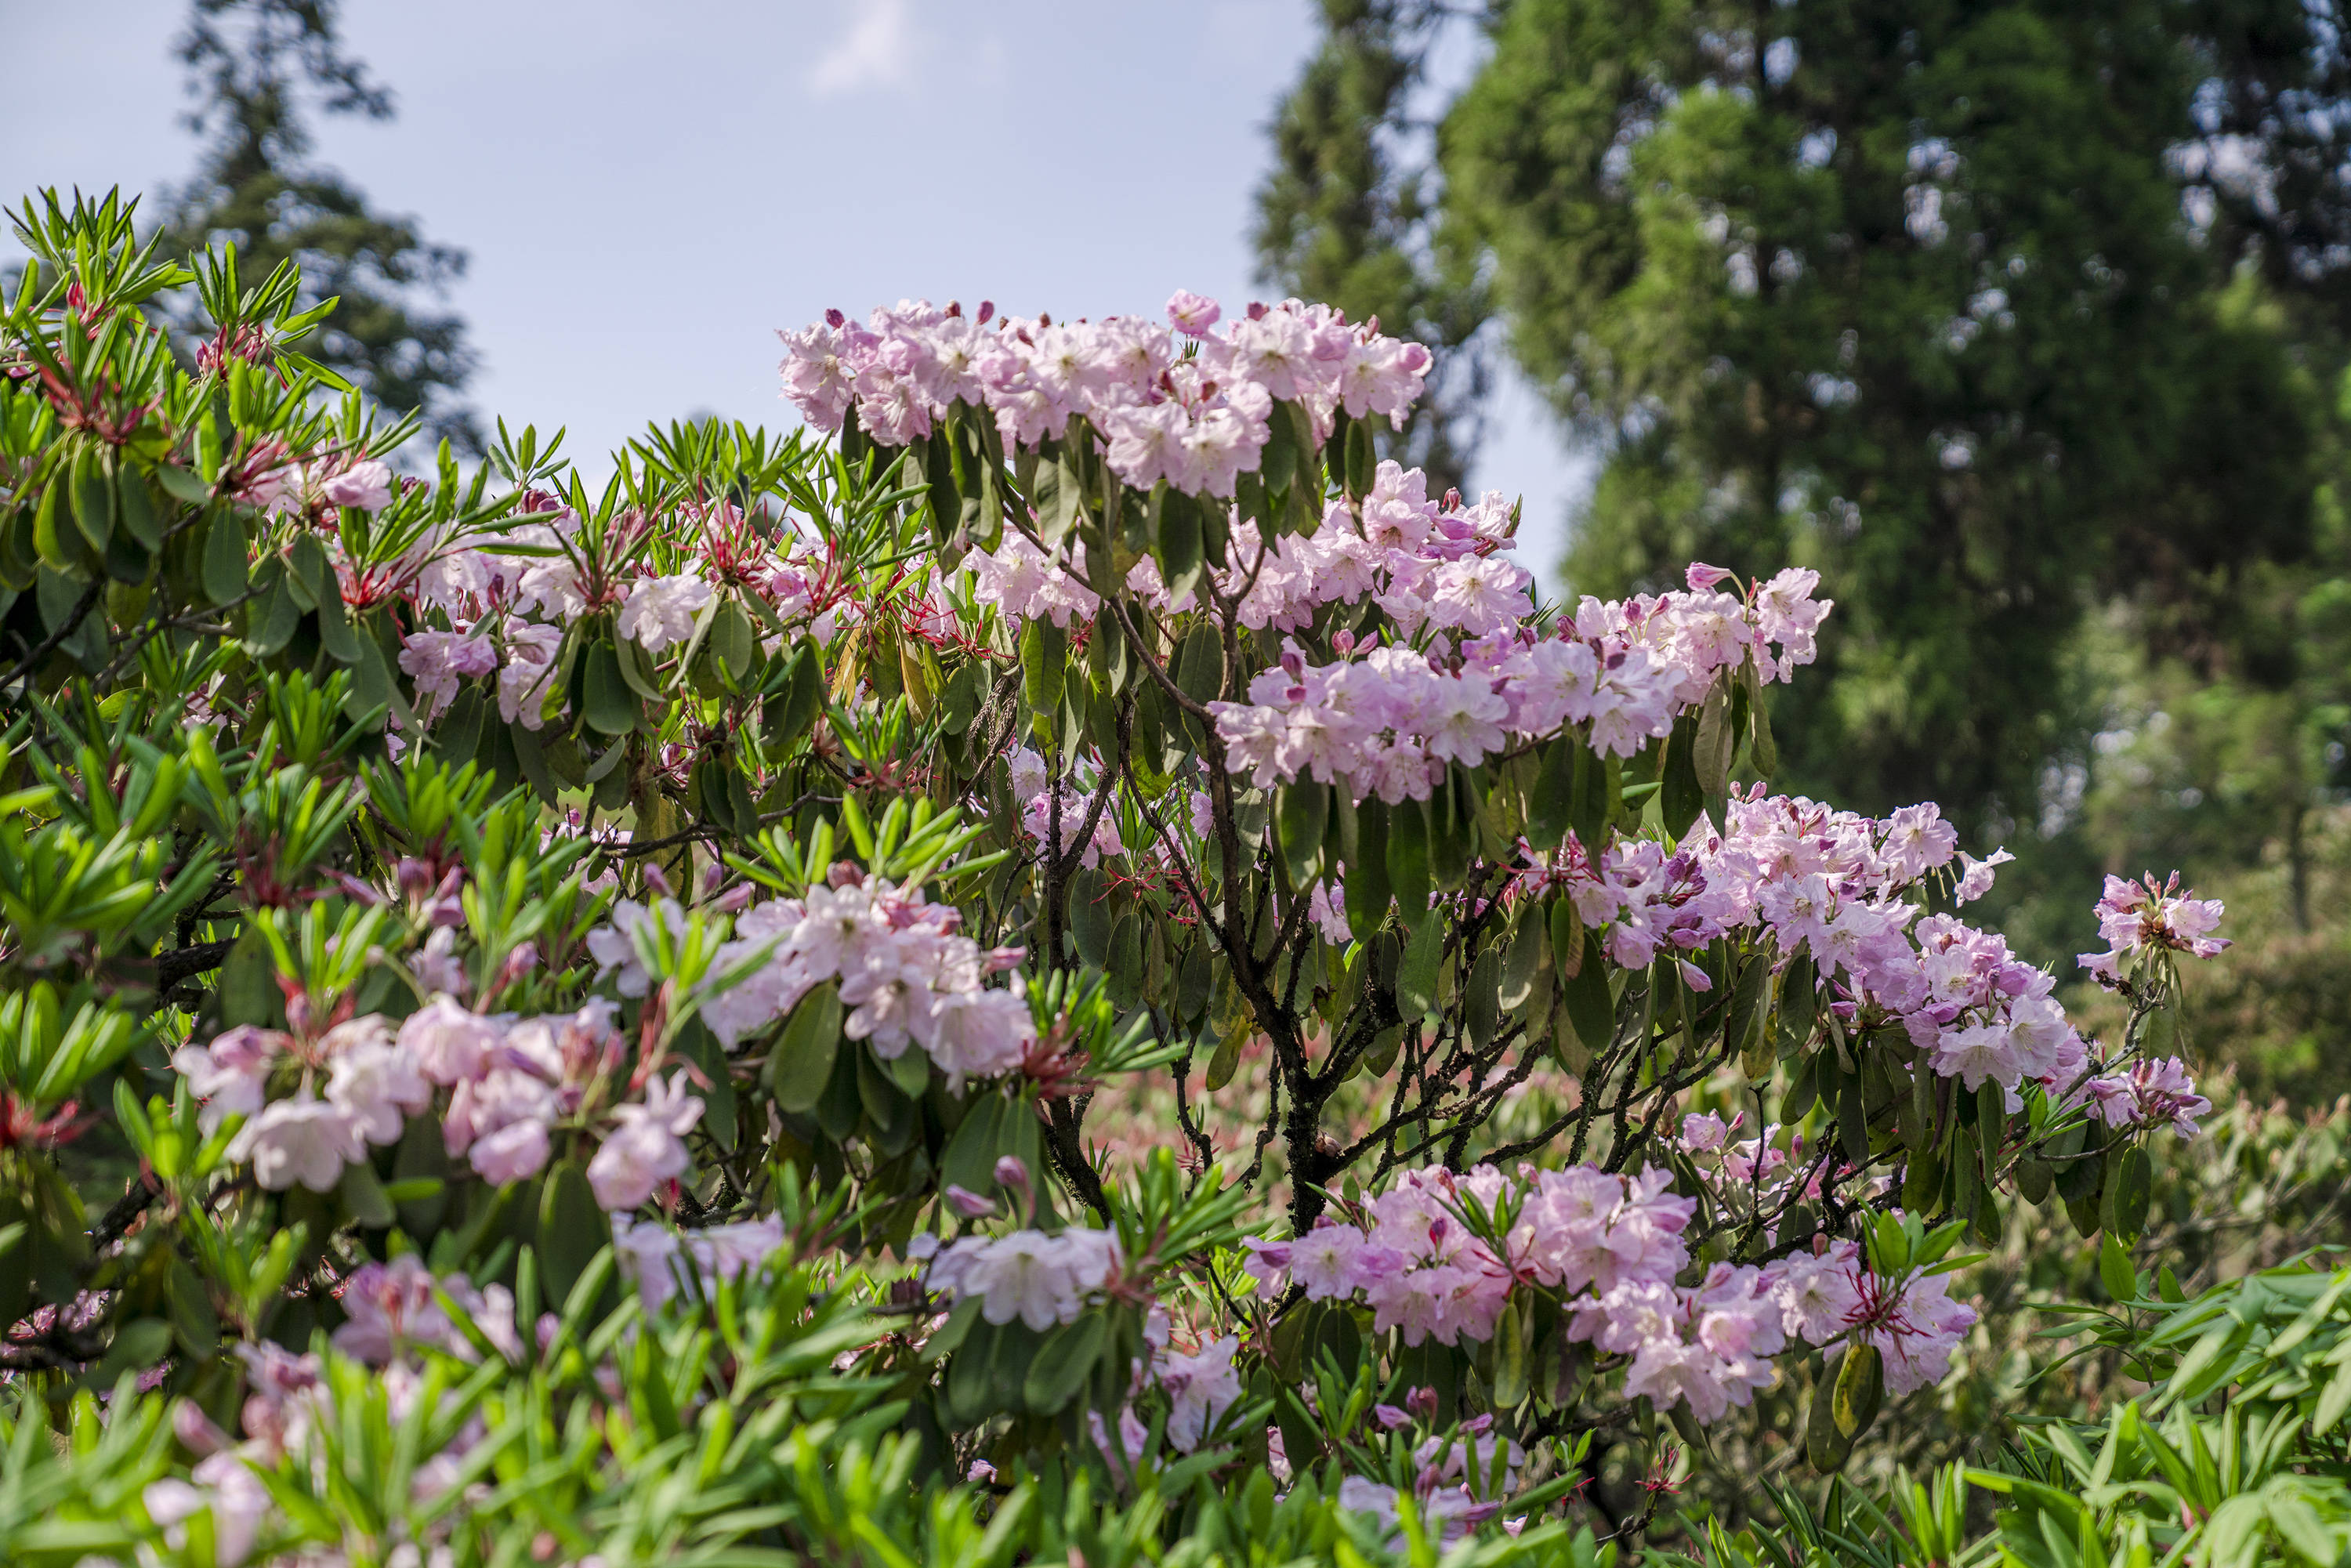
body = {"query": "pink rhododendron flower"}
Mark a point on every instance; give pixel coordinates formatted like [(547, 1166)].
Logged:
[(302, 1139), (659, 612), (646, 1148), (365, 484)]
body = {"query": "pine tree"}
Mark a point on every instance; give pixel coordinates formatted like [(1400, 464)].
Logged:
[(1926, 295), (255, 66), (1903, 293), (1347, 216)]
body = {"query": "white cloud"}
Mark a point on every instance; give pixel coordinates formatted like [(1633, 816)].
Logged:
[(876, 52)]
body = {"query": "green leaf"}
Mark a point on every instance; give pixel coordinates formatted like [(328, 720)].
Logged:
[(2298, 1526), (2333, 1402), (1194, 980), (1567, 948), (1226, 1059), (1363, 462), (1044, 663), (572, 1228), (636, 668), (1591, 1009), (184, 485), (1301, 811), (1762, 751), (1713, 743), (1064, 1363), (1523, 963), (270, 620), (134, 508), (1550, 808), (1680, 798), (801, 1064), (969, 1396), (1799, 998), (1511, 1336), (1088, 914), (248, 984), (1922, 1182), (2114, 1271), (792, 718), (364, 1201), (1407, 858), (2033, 1180), (1200, 664), (605, 700), (959, 702), (2127, 1192), (1860, 1389), (307, 560), (1367, 888), (1853, 1119), (93, 500), (969, 1159), (1183, 550), (1826, 1448), (1417, 976), (226, 566)]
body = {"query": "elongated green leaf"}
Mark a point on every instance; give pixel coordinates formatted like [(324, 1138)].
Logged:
[(1591, 1010), (1416, 975), (802, 1065), (1064, 1363)]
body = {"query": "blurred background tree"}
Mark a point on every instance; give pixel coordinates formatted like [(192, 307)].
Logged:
[(254, 69), (1347, 214), (2024, 322)]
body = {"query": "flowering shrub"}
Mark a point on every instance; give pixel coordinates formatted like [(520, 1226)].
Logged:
[(454, 922)]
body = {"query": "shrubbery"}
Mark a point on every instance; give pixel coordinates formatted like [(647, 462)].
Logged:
[(1077, 972)]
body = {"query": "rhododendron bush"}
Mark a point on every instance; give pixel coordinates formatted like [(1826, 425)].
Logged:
[(562, 972)]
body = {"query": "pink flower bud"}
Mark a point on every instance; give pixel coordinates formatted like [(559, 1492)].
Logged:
[(967, 1203), (1012, 1175), (195, 1430)]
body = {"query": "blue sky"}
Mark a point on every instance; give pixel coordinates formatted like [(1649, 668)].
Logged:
[(648, 192)]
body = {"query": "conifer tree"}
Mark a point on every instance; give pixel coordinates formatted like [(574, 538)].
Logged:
[(255, 69)]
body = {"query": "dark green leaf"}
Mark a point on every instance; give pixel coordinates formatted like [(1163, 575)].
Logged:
[(1591, 1010), (1407, 858), (801, 1064), (1064, 1363)]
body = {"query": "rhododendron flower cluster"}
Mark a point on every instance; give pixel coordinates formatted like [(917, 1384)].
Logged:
[(510, 1081), (664, 1262), (1839, 889), (906, 973), (1038, 1277), (1039, 799), (1385, 721), (1610, 1248), (1181, 404), (393, 1308), (2152, 917), (2148, 1094), (305, 1138)]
